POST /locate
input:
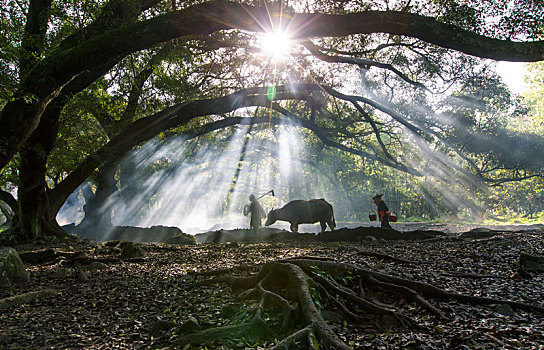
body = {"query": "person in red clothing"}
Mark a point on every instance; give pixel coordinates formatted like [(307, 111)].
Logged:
[(383, 211)]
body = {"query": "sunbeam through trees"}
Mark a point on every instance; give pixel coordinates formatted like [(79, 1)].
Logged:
[(166, 121)]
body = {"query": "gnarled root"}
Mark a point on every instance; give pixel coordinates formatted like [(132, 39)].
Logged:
[(300, 289)]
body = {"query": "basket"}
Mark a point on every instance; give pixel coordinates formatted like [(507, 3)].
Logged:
[(393, 217), (372, 216)]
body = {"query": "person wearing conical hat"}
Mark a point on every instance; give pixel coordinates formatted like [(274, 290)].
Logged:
[(383, 211)]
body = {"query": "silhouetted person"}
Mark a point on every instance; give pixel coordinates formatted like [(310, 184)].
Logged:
[(383, 211), (257, 213)]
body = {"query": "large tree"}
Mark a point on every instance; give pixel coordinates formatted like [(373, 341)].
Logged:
[(423, 45)]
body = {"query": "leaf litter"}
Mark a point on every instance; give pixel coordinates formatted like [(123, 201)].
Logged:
[(119, 305)]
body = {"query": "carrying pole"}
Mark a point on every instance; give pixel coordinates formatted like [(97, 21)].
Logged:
[(262, 195)]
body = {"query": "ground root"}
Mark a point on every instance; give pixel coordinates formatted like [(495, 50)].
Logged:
[(254, 329), (25, 298), (302, 289)]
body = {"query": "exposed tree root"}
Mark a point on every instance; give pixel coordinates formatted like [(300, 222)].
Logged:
[(300, 289), (389, 257), (39, 256), (475, 276), (305, 334), (24, 298), (81, 259), (445, 239), (234, 269), (256, 328), (52, 256)]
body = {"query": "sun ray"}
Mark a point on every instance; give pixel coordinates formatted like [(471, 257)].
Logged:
[(276, 44)]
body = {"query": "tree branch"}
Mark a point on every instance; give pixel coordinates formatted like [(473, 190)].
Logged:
[(21, 115), (34, 36), (145, 128), (361, 62)]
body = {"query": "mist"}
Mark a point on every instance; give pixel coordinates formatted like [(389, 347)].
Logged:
[(203, 184)]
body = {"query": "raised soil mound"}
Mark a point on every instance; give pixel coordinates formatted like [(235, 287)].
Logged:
[(344, 234)]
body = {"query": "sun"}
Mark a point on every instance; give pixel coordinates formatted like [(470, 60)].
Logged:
[(276, 44)]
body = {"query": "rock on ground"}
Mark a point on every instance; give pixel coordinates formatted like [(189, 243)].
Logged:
[(12, 269)]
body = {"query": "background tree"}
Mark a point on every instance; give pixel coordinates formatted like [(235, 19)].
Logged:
[(388, 84)]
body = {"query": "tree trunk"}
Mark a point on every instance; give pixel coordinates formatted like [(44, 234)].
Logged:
[(35, 217), (98, 210), (128, 185)]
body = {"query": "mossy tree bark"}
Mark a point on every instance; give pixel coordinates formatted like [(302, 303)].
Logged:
[(35, 213)]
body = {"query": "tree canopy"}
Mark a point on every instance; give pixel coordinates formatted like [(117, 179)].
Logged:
[(409, 86)]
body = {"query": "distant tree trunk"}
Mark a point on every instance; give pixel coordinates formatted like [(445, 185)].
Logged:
[(88, 196), (127, 179), (106, 187), (98, 210)]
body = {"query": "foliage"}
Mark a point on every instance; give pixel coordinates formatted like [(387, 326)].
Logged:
[(534, 98), (428, 126)]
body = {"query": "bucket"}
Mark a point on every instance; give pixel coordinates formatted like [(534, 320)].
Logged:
[(372, 216), (393, 217)]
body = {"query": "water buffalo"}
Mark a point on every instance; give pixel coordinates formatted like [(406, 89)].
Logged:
[(304, 212)]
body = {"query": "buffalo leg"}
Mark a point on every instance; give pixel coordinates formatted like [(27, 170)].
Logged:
[(331, 225), (294, 227), (323, 226)]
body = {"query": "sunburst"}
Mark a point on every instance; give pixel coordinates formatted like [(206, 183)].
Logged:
[(276, 44)]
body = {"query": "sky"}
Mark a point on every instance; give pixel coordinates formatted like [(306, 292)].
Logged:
[(513, 73)]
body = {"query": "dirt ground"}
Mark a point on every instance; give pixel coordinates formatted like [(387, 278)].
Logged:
[(125, 303)]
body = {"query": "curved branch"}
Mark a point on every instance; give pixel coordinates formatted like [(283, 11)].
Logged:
[(500, 181), (369, 51), (231, 121), (39, 12), (143, 129), (417, 130), (213, 16), (374, 128), (286, 343), (427, 29), (361, 62), (321, 135)]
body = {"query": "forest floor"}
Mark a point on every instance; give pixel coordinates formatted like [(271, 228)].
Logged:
[(151, 302)]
